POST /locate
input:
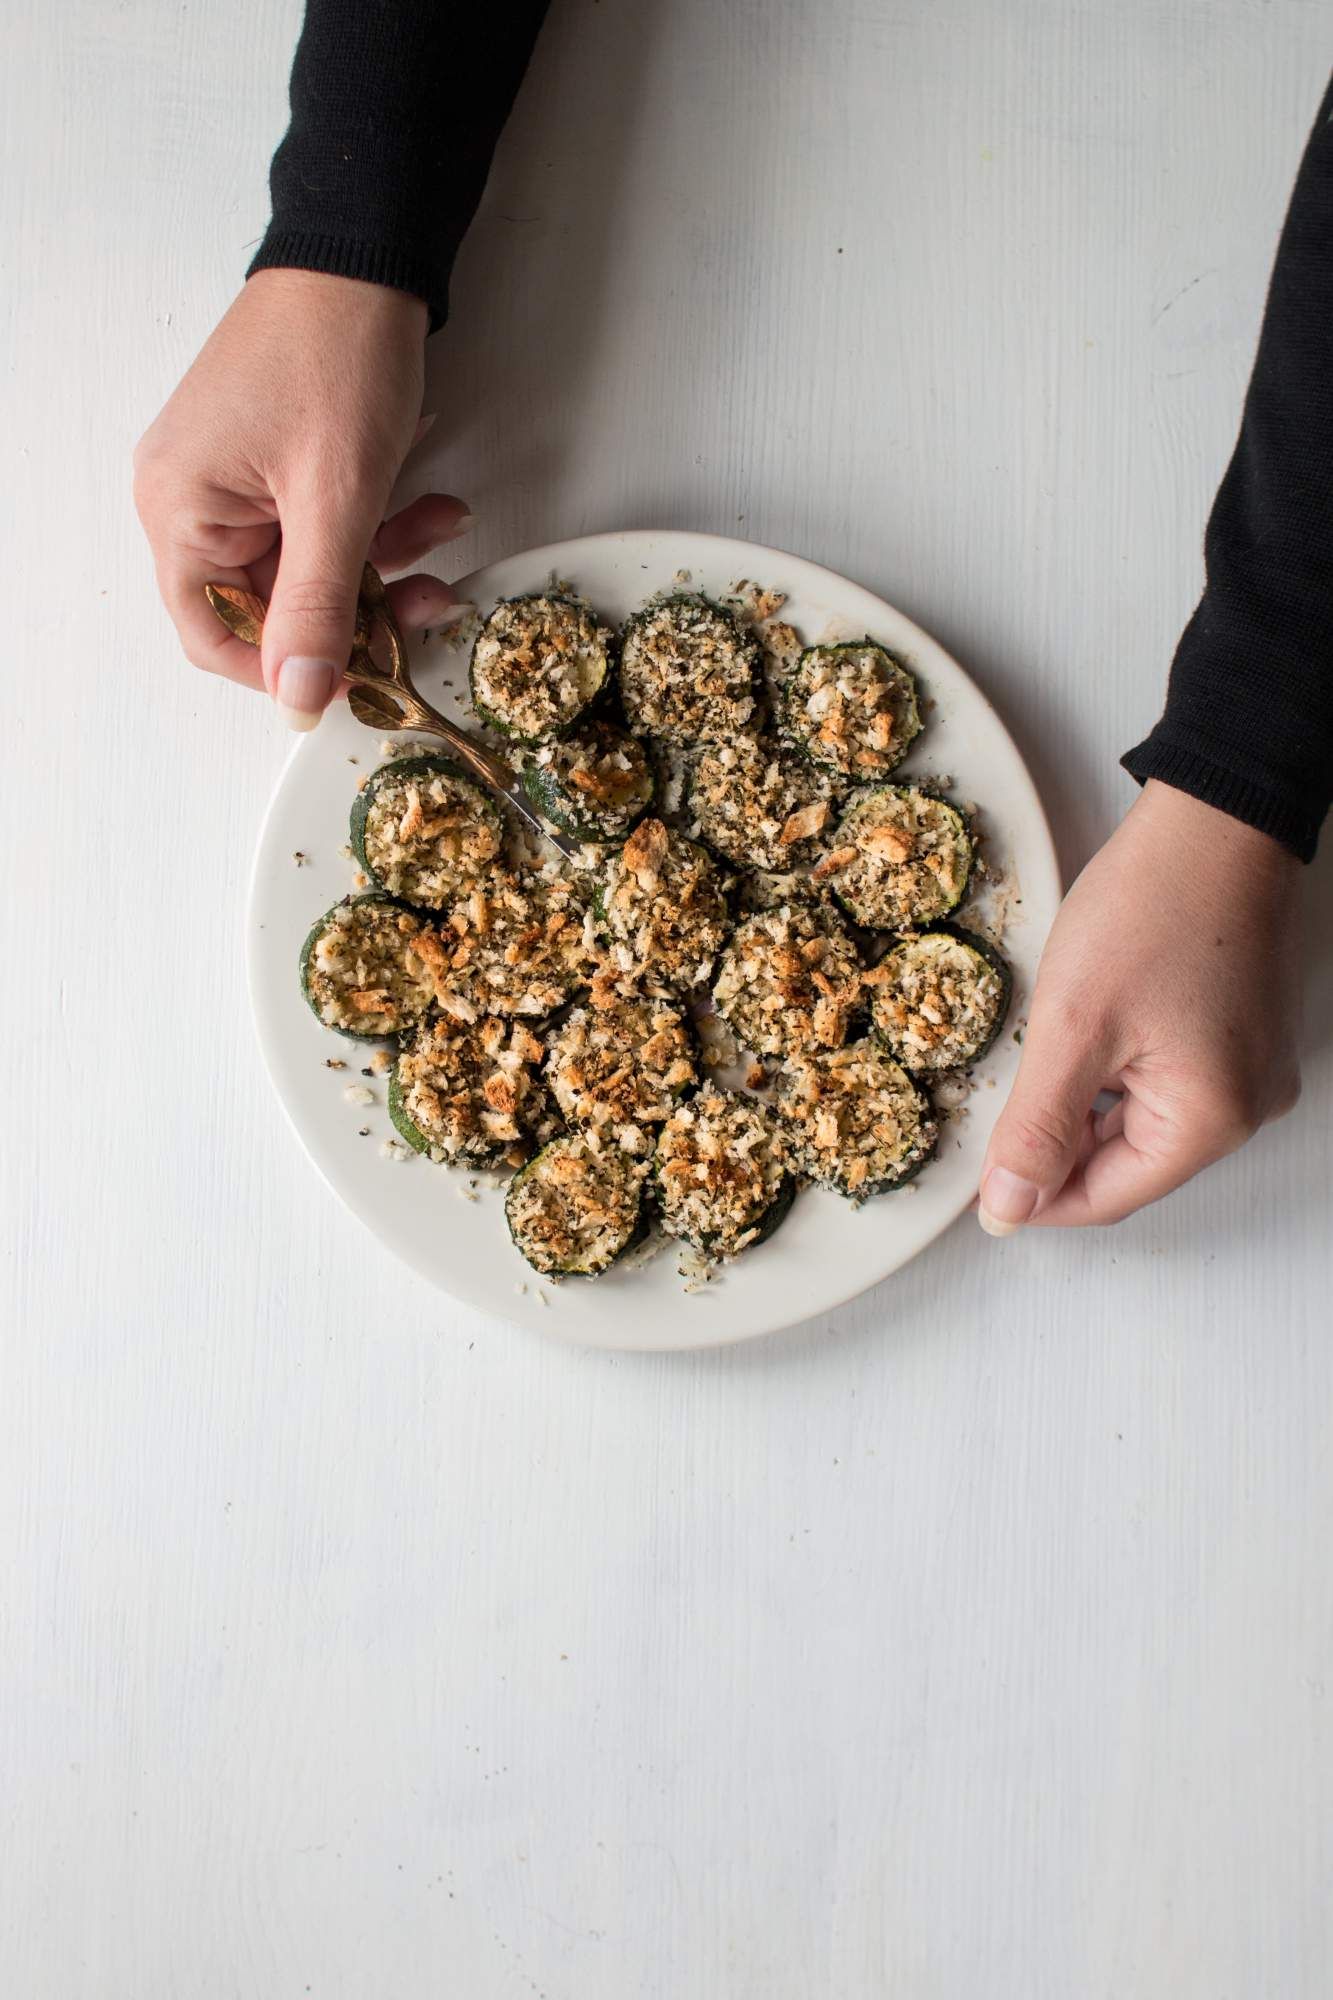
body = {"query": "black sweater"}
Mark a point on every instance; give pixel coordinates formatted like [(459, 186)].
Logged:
[(382, 169)]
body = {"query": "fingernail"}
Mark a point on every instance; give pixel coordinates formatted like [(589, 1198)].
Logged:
[(464, 524), (304, 689), (1007, 1202), (453, 614)]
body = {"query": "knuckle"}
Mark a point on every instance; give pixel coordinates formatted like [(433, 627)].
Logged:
[(1067, 1016), (317, 597), (355, 467), (149, 483), (1231, 1115), (1075, 1018), (1038, 1131)]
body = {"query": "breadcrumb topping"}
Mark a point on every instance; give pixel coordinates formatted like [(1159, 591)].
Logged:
[(688, 673), (364, 973), (620, 1064), (790, 979), (429, 833), (471, 1089), (854, 1119), (720, 1170), (759, 807), (602, 778), (901, 858), (516, 946), (576, 1206), (936, 1000), (665, 906), (537, 663), (854, 709)]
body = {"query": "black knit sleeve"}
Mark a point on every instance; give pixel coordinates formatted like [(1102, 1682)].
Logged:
[(1248, 724), (396, 109)]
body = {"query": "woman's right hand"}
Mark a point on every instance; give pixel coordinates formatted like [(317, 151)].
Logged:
[(271, 466)]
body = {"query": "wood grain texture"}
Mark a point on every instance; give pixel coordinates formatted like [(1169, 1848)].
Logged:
[(976, 1641)]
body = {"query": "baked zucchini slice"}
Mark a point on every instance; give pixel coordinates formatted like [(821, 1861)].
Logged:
[(620, 1063), (362, 967), (689, 673), (790, 979), (517, 945), (596, 784), (424, 831), (852, 709), (938, 1000), (899, 858), (721, 1173), (538, 663), (576, 1207), (466, 1095), (757, 806), (663, 902), (855, 1120)]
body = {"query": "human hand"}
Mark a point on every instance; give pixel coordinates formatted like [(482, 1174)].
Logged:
[(1172, 974), (271, 466)]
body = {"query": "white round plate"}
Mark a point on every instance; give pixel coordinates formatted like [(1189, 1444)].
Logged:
[(827, 1251)]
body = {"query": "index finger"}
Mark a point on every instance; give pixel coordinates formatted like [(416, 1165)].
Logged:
[(181, 576), (1138, 1157)]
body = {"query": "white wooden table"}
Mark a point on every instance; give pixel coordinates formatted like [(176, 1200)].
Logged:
[(974, 1644)]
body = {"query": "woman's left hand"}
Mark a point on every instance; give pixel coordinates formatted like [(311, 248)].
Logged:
[(1172, 975)]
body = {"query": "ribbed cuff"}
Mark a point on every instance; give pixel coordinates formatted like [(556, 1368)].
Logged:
[(344, 257), (1173, 764)]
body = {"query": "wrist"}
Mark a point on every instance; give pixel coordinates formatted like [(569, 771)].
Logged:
[(288, 289), (1214, 839)]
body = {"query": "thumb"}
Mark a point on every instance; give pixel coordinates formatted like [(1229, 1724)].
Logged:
[(1035, 1146), (312, 613)]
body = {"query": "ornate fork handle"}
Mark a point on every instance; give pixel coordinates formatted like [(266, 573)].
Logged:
[(389, 697), (381, 697), (385, 697)]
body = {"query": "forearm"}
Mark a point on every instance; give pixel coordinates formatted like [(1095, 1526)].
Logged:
[(396, 107), (1248, 724)]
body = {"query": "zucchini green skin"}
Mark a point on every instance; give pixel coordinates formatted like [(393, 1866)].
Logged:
[(587, 709), (429, 764), (307, 950), (795, 727), (998, 965), (588, 1270), (848, 903), (399, 1119), (555, 804)]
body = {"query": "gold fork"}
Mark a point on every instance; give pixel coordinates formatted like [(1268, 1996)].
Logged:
[(386, 697)]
